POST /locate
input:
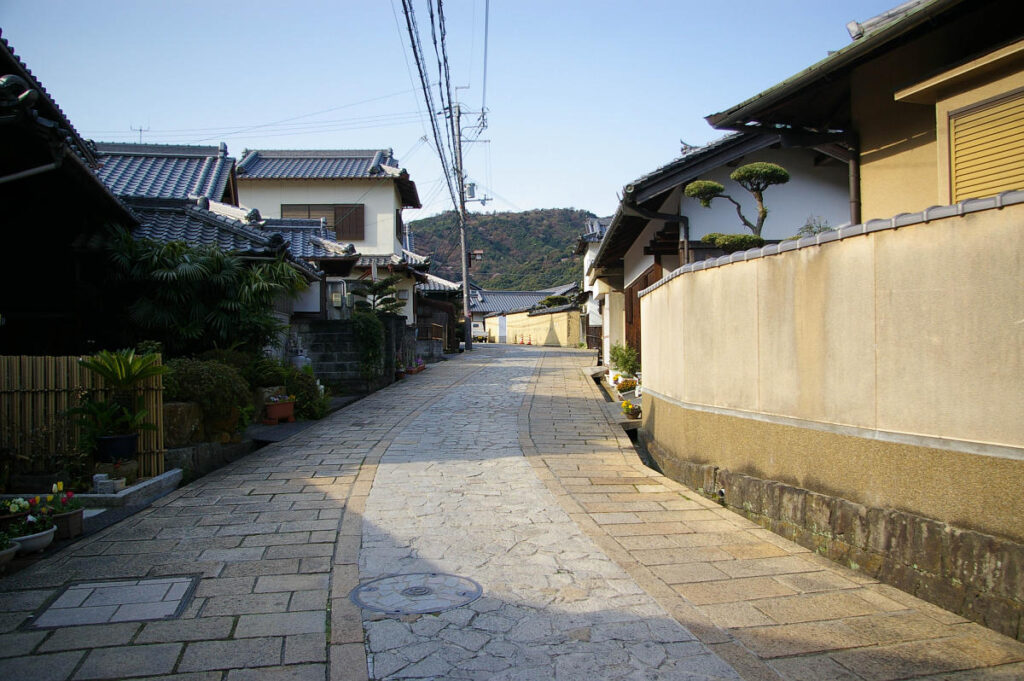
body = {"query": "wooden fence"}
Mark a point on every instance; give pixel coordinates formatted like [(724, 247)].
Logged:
[(35, 394)]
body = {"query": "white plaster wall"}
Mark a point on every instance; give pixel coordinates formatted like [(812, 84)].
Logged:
[(380, 198), (308, 300), (613, 325), (634, 261), (812, 190), (593, 308)]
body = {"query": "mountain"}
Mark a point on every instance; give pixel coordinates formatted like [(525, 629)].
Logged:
[(521, 251)]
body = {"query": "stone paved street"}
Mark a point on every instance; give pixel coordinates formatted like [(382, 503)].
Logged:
[(501, 466)]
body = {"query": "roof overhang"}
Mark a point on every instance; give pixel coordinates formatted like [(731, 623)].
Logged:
[(813, 97), (642, 199)]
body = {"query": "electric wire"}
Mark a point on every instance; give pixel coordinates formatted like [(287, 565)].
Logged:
[(417, 52)]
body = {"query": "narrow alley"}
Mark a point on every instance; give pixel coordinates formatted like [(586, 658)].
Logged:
[(530, 541)]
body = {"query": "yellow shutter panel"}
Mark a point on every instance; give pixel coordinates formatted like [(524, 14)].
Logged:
[(987, 149)]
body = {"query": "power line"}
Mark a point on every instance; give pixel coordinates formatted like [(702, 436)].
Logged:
[(417, 53)]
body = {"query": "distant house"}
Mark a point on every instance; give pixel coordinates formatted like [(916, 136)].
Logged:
[(484, 303), (656, 228), (190, 193), (587, 246), (357, 194), (53, 299)]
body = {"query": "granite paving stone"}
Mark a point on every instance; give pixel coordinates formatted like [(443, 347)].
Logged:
[(126, 661), (502, 466)]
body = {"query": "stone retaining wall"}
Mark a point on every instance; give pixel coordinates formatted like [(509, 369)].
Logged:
[(978, 576)]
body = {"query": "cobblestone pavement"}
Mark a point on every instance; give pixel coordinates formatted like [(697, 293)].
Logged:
[(501, 466)]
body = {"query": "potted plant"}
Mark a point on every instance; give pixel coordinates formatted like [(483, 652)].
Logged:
[(7, 548), (12, 511), (66, 511), (280, 407), (34, 533), (631, 410), (111, 427), (399, 368)]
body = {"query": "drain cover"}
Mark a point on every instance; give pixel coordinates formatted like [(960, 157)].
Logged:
[(117, 600), (416, 594)]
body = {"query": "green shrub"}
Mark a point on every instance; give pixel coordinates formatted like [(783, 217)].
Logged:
[(237, 359), (624, 358), (730, 243), (217, 387), (369, 331), (311, 400), (265, 372)]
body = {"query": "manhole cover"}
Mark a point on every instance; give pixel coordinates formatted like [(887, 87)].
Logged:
[(416, 594)]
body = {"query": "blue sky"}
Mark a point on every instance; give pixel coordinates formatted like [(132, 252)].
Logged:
[(583, 96)]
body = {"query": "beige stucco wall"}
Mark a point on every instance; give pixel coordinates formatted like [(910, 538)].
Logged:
[(380, 198), (560, 329), (912, 337), (491, 326)]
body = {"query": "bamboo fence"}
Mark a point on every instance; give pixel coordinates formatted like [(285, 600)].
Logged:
[(36, 392)]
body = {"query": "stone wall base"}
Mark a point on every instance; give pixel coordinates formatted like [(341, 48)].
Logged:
[(197, 460), (977, 576)]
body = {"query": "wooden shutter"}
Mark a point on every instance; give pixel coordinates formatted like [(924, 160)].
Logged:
[(987, 148), (348, 222)]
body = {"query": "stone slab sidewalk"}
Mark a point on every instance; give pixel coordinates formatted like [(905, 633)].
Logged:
[(501, 466)]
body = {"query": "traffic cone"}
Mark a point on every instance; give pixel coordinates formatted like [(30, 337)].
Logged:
[(530, 340)]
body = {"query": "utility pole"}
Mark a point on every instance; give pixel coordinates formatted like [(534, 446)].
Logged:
[(461, 182)]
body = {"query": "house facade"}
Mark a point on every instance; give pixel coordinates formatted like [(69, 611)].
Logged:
[(359, 196), (587, 246), (857, 390), (656, 228)]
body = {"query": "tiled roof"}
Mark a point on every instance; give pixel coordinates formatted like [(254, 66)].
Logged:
[(554, 310), (504, 301), (380, 260), (46, 104), (328, 164), (168, 220), (561, 290), (315, 164), (415, 258), (165, 171), (436, 283)]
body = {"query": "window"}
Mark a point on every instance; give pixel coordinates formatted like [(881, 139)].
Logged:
[(347, 219), (986, 148)]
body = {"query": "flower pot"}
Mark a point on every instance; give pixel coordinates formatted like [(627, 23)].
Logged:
[(399, 374), (279, 410), (9, 519), (30, 543), (7, 554), (116, 447), (69, 524), (119, 484)]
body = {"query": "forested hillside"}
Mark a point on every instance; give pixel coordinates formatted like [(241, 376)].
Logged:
[(522, 251)]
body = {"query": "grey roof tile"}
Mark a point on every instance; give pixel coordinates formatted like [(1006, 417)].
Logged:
[(504, 301), (315, 164), (181, 220), (165, 171), (436, 283)]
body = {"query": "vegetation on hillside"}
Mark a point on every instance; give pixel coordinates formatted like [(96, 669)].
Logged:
[(522, 251)]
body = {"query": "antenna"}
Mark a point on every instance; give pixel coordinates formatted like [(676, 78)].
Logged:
[(140, 130)]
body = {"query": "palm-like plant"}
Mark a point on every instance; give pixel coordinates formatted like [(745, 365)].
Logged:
[(195, 298)]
